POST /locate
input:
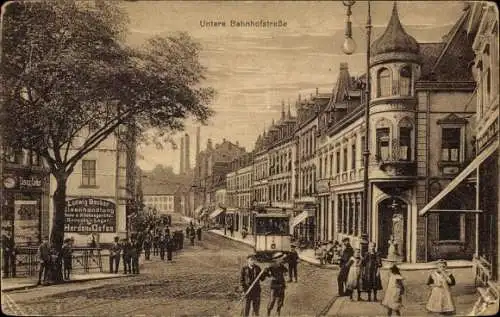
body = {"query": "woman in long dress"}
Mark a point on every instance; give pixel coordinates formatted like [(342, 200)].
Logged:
[(440, 280), (370, 272), (393, 298), (353, 277)]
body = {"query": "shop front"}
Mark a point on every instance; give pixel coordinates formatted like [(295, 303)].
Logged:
[(24, 204)]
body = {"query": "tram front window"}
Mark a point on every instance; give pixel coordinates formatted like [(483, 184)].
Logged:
[(276, 226)]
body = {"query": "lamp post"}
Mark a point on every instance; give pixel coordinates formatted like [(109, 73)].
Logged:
[(348, 48)]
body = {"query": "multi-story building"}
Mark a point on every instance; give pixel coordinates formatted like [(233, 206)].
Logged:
[(24, 201), (260, 173), (97, 193), (239, 192), (419, 135), (483, 23), (281, 149), (160, 199), (212, 166), (305, 223)]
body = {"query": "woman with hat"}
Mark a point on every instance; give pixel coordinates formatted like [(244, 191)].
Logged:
[(440, 280), (370, 272)]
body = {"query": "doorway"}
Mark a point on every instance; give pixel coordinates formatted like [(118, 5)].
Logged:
[(392, 221)]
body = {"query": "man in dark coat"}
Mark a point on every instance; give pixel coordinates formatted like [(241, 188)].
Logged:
[(147, 247), (292, 259), (192, 234), (347, 253), (156, 242), (169, 245), (127, 265), (67, 257), (9, 256), (44, 260), (135, 250), (161, 244), (198, 233), (277, 273), (114, 255), (249, 274)]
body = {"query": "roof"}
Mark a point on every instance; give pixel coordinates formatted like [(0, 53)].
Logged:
[(430, 53), (159, 189), (394, 38)]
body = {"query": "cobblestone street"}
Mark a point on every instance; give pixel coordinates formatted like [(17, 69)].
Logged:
[(202, 280)]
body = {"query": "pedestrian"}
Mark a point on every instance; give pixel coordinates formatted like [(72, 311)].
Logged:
[(346, 255), (192, 235), (440, 300), (9, 256), (337, 251), (167, 230), (181, 239), (147, 247), (114, 255), (162, 245), (353, 277), (292, 259), (323, 253), (198, 233), (393, 297), (44, 261), (251, 277), (92, 244), (156, 241), (231, 230), (134, 255), (126, 249), (277, 273), (67, 257), (370, 272), (169, 246)]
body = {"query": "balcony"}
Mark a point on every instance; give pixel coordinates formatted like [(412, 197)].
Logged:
[(394, 162)]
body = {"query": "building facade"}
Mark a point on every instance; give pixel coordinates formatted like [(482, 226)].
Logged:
[(162, 202), (97, 194), (24, 196), (239, 192)]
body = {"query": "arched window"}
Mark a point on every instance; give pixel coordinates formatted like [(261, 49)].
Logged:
[(383, 139), (405, 81), (384, 82)]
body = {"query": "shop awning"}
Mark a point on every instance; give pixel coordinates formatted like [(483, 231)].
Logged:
[(302, 216), (463, 175), (198, 210), (216, 212)]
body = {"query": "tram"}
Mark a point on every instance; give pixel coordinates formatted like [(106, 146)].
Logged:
[(271, 233)]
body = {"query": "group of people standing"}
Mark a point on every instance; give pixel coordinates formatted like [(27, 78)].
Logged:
[(129, 250)]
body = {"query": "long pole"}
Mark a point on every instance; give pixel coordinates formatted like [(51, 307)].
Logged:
[(366, 152)]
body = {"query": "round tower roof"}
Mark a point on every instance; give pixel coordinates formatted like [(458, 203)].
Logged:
[(394, 39)]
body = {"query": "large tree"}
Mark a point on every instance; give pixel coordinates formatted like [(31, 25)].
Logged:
[(70, 82)]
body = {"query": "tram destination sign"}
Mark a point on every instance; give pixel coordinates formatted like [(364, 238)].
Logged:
[(90, 215)]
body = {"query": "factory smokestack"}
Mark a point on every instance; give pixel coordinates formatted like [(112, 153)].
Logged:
[(181, 171), (197, 140), (187, 164)]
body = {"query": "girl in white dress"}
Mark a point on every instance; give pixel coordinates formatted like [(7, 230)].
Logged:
[(353, 278), (440, 300), (393, 297)]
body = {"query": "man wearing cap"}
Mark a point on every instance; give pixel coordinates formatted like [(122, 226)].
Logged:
[(249, 274), (277, 273), (292, 259), (347, 253)]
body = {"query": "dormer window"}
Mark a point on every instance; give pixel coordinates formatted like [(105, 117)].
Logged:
[(384, 82), (405, 81)]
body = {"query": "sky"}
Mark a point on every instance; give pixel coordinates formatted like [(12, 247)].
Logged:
[(253, 69)]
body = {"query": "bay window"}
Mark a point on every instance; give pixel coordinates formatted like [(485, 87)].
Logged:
[(405, 143), (383, 144)]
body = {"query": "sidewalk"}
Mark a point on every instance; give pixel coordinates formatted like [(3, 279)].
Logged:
[(19, 283), (414, 301)]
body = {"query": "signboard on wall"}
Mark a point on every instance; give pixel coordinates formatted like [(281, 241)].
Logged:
[(90, 215), (26, 221)]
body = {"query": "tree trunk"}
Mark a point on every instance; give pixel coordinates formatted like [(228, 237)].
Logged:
[(57, 233)]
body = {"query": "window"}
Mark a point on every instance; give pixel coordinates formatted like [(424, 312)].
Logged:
[(344, 165), (449, 226), (88, 173), (405, 81), (353, 156), (337, 159), (384, 83), (450, 148), (331, 164), (383, 143), (404, 143), (320, 167)]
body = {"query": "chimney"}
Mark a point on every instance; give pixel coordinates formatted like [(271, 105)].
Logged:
[(282, 109), (197, 141), (181, 171), (187, 165), (317, 91)]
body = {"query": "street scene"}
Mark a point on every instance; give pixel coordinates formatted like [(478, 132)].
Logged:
[(241, 158)]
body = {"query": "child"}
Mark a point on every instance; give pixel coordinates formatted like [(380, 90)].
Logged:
[(395, 289), (354, 265), (440, 300), (66, 253)]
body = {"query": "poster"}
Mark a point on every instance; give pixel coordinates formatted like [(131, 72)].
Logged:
[(26, 221), (90, 215)]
